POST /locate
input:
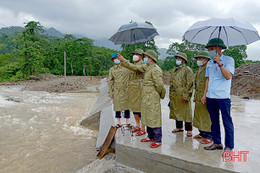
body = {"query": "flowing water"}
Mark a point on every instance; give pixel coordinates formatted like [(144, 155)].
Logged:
[(39, 131)]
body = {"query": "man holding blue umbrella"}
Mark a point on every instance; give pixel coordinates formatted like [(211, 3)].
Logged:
[(219, 73)]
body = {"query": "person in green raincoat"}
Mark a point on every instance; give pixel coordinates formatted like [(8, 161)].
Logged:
[(118, 82), (135, 91), (152, 92), (181, 88), (201, 118)]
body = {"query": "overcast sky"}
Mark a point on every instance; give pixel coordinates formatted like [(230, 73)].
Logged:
[(99, 19)]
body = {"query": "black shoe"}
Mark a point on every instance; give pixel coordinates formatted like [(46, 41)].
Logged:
[(227, 149), (214, 147)]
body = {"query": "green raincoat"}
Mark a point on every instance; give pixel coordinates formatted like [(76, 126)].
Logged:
[(135, 88), (117, 83), (153, 92), (201, 118), (181, 87)]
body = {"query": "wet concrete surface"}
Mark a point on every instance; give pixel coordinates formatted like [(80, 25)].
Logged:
[(185, 154)]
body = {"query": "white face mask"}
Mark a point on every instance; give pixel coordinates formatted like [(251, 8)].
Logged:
[(201, 63), (135, 58)]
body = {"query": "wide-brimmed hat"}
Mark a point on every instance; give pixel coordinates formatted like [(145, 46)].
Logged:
[(138, 51), (182, 55), (203, 54), (114, 55), (215, 42), (152, 54)]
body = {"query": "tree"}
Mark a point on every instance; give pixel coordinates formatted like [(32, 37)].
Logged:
[(190, 49), (128, 49), (31, 48), (238, 53)]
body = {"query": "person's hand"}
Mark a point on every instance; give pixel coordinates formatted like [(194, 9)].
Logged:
[(203, 99), (112, 98), (120, 57), (184, 101), (217, 59)]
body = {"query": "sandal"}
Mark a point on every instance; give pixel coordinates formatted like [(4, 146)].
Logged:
[(189, 134), (206, 141), (129, 126), (177, 130), (118, 126), (136, 129), (140, 133), (146, 140), (155, 145), (197, 137)]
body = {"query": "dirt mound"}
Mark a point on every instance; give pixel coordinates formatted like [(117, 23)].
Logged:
[(246, 81), (58, 84)]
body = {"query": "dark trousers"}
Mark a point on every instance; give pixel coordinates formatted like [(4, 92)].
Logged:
[(155, 133), (126, 114), (137, 113), (214, 105), (188, 125), (205, 134)]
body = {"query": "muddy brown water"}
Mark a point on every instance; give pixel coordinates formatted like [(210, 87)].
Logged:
[(40, 131)]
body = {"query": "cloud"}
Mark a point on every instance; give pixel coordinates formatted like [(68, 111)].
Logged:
[(101, 18)]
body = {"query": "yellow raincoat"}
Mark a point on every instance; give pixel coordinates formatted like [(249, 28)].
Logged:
[(135, 88), (153, 92), (181, 87), (201, 118), (117, 83)]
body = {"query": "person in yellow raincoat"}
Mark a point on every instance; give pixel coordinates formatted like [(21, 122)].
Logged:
[(201, 118), (118, 82), (152, 92), (181, 88), (135, 91)]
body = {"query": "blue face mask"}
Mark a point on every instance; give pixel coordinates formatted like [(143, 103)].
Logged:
[(178, 62), (117, 61), (212, 53), (146, 60)]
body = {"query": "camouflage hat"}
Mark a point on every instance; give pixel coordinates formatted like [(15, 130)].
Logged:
[(203, 54), (152, 54), (215, 41), (138, 51), (182, 55)]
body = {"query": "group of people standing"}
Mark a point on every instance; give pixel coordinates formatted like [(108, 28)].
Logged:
[(139, 88)]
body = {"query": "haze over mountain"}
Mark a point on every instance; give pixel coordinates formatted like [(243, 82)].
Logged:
[(54, 32)]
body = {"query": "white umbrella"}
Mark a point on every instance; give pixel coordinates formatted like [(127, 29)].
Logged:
[(231, 31), (134, 32)]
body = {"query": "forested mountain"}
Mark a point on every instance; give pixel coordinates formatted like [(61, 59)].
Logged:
[(33, 50)]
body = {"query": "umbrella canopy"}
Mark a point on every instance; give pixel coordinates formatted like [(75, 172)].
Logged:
[(134, 32), (231, 31)]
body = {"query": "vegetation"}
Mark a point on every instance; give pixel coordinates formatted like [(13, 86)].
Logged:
[(30, 51), (237, 52)]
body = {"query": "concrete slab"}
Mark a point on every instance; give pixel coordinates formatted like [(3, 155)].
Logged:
[(185, 154)]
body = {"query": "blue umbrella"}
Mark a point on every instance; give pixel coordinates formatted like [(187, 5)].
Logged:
[(134, 32)]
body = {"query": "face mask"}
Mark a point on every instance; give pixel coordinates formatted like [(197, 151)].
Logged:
[(146, 60), (200, 63), (117, 61), (178, 62), (135, 58), (212, 53)]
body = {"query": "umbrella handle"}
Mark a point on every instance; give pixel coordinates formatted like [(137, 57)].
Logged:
[(218, 40)]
